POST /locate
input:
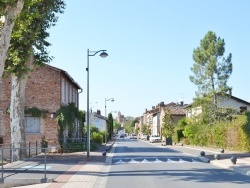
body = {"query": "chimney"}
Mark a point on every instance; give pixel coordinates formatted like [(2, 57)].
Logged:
[(230, 91), (98, 112), (182, 103)]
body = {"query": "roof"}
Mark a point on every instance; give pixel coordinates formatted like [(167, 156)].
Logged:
[(176, 110), (65, 74), (229, 96), (239, 100)]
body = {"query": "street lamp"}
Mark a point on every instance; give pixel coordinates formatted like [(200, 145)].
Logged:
[(112, 100), (91, 53)]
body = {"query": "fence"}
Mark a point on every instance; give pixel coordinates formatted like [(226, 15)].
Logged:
[(35, 148), (38, 147), (11, 149)]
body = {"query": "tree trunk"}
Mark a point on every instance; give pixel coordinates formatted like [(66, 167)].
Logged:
[(17, 106), (17, 116), (214, 92), (5, 33)]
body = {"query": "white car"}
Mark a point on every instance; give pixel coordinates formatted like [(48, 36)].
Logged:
[(143, 137), (154, 138), (133, 136)]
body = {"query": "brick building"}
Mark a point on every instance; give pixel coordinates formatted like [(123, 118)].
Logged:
[(47, 88)]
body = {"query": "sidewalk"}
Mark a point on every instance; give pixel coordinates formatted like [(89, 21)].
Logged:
[(92, 171), (242, 165), (85, 173)]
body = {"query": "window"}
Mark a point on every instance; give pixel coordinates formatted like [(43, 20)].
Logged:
[(32, 124), (70, 94), (63, 91), (66, 92), (74, 95), (1, 122), (243, 108), (0, 89)]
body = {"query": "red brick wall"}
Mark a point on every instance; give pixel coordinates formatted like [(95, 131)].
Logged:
[(43, 90)]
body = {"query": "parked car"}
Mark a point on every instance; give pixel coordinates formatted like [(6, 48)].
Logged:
[(133, 136), (154, 138), (143, 137)]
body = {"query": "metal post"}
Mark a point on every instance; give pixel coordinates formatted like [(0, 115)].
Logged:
[(10, 152), (88, 128), (36, 147), (105, 124), (2, 162), (29, 149), (45, 161), (103, 55)]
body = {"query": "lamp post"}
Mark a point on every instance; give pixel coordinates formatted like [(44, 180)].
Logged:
[(91, 53), (112, 100)]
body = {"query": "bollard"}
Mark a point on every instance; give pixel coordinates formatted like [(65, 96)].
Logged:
[(222, 150), (202, 153), (217, 157), (233, 159), (104, 153)]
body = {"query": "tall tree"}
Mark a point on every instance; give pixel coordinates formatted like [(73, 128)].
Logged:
[(9, 10), (27, 50), (110, 125), (211, 70), (167, 124)]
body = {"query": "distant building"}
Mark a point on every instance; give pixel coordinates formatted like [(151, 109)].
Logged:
[(99, 121), (228, 101), (154, 117), (120, 118)]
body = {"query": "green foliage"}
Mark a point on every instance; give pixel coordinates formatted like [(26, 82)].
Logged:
[(94, 129), (211, 70), (74, 147), (128, 126), (168, 124), (116, 126), (30, 35), (178, 131), (137, 130), (233, 134), (245, 132), (66, 117), (110, 125), (97, 137), (219, 134), (146, 129), (36, 112)]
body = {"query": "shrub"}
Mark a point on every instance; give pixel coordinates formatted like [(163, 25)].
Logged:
[(97, 137)]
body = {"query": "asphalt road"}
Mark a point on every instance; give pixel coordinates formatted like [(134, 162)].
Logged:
[(136, 163)]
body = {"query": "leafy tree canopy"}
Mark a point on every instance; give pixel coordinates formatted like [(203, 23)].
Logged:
[(211, 70), (30, 34), (168, 124)]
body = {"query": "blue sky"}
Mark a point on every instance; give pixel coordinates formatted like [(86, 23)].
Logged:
[(150, 45)]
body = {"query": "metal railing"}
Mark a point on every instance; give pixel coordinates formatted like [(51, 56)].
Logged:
[(36, 148)]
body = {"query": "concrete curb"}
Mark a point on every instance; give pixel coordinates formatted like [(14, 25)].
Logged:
[(227, 164), (25, 181), (204, 159)]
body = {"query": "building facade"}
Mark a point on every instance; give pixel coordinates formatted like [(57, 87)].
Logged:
[(47, 89)]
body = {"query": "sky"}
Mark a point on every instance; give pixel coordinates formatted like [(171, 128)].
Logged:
[(150, 45)]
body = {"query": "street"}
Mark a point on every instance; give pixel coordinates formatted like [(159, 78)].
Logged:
[(137, 163)]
